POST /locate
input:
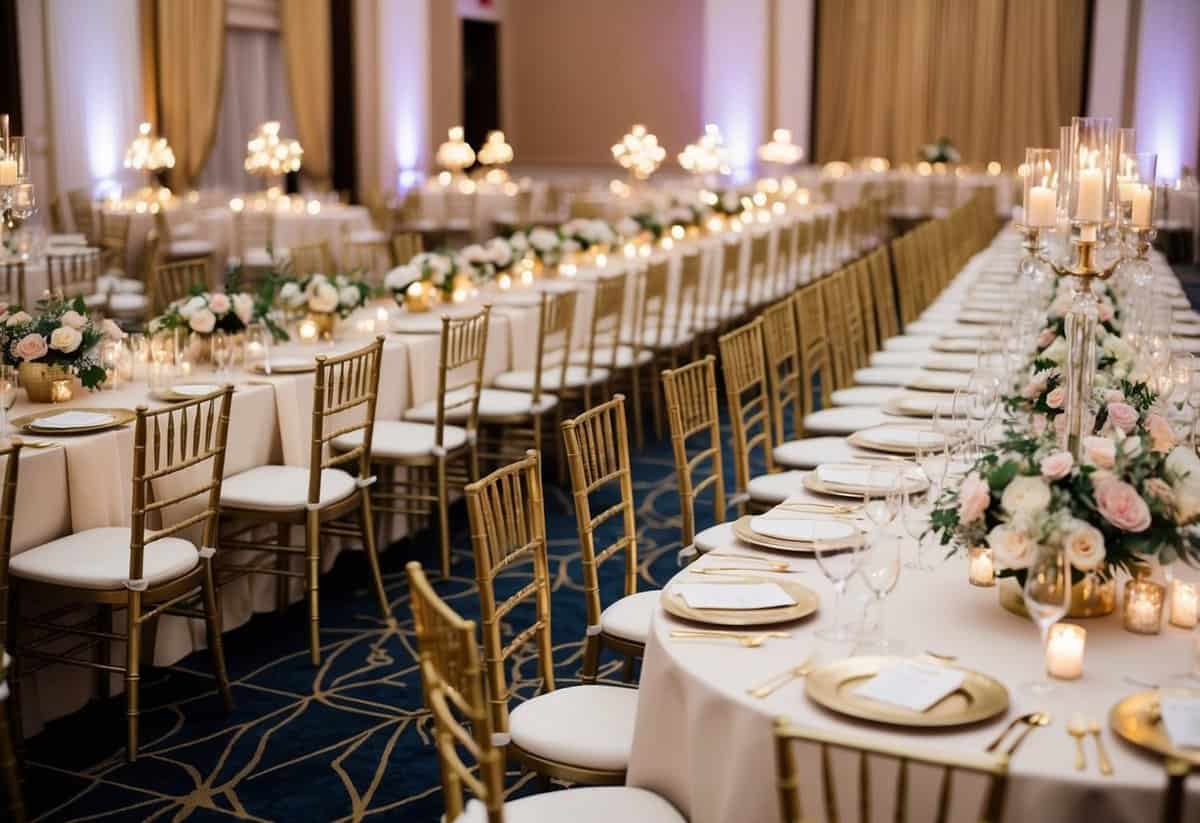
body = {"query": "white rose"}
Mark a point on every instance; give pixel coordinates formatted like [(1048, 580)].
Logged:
[(1026, 495), (570, 246), (499, 252), (324, 298), (349, 296), (543, 239), (1117, 348), (1056, 351), (475, 254), (65, 339), (291, 295), (519, 242), (1084, 546), (219, 303), (202, 321), (399, 277), (1183, 470), (628, 227), (1011, 548), (243, 307), (74, 319), (19, 319), (112, 331)]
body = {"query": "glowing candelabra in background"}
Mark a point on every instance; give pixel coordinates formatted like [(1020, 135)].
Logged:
[(780, 150), (639, 152), (270, 156), (150, 155), (495, 154)]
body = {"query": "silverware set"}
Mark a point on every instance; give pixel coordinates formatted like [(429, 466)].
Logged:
[(1080, 728), (1031, 721), (750, 641)]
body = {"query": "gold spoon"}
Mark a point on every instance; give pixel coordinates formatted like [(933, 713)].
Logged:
[(1077, 728), (1106, 768)]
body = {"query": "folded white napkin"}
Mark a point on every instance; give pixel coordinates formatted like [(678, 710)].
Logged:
[(915, 686), (194, 389), (736, 596), (72, 420), (1181, 719), (782, 526)]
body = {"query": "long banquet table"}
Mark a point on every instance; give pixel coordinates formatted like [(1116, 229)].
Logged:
[(704, 744)]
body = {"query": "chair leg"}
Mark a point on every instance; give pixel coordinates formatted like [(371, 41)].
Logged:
[(635, 391), (283, 562), (366, 521), (104, 652), (216, 644), (312, 573), (656, 396), (443, 515), (12, 777), (591, 659), (627, 670), (13, 704), (133, 663)]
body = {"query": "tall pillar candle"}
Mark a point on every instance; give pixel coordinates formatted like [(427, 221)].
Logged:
[(1043, 203), (1089, 205), (1142, 200)]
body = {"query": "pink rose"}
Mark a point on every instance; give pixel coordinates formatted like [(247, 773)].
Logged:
[(1162, 439), (973, 499), (1032, 389), (1056, 398), (30, 347), (218, 303), (1122, 416), (111, 330), (74, 319), (1100, 451), (1039, 423), (1120, 504), (1104, 312), (1057, 465), (1160, 489), (1046, 338)]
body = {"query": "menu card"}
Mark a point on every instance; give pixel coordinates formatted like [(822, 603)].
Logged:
[(915, 686), (1181, 719), (736, 596)]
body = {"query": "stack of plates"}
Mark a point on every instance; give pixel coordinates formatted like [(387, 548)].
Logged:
[(77, 421)]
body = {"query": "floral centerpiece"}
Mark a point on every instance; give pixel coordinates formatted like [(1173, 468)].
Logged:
[(202, 313), (434, 277), (324, 299), (58, 341), (939, 151)]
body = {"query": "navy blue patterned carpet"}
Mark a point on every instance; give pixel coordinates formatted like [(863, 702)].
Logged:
[(346, 741)]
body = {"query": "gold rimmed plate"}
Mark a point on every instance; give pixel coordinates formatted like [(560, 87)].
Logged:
[(806, 603), (814, 483), (1138, 719), (964, 345), (287, 365), (744, 531), (184, 391), (115, 418), (835, 687), (898, 439)]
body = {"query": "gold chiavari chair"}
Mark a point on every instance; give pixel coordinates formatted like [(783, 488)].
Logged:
[(860, 275), (76, 275), (313, 258), (174, 281), (784, 372), (650, 318), (748, 397), (633, 363), (695, 423), (597, 446), (315, 496), (582, 734), (367, 251), (906, 280), (173, 248), (1178, 771), (732, 294), (13, 290), (453, 684), (254, 240), (406, 246), (8, 499), (597, 364), (759, 282), (989, 770), (518, 403), (884, 291), (114, 240), (835, 320), (149, 569), (80, 202), (676, 331), (821, 246), (816, 360), (435, 458), (787, 273), (846, 288)]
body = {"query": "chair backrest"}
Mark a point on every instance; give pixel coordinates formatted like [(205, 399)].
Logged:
[(373, 257), (884, 291), (608, 318), (460, 369), (81, 213), (805, 269), (651, 309), (8, 503), (597, 448), (690, 394), (452, 680), (846, 289), (861, 277), (836, 326), (727, 295), (168, 444), (815, 358), (73, 275), (786, 270), (114, 232), (406, 246), (993, 769), (12, 286), (743, 365), (346, 387), (556, 322), (253, 230), (162, 226), (313, 258), (685, 318), (508, 529), (758, 290), (784, 372), (821, 246), (175, 281)]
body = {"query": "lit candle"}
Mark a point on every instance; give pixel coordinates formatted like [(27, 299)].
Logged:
[(1089, 206), (601, 260), (802, 197), (1143, 606), (308, 331), (1064, 651), (1141, 207), (8, 172), (1043, 205), (677, 232), (60, 391), (1185, 604), (980, 569), (527, 277), (567, 270)]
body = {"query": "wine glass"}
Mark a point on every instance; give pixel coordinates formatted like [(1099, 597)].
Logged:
[(881, 494), (879, 567), (1047, 595), (258, 347), (8, 395), (838, 561), (220, 349)]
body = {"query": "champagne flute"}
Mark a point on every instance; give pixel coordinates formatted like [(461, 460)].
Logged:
[(880, 500), (8, 395), (1047, 594), (838, 561)]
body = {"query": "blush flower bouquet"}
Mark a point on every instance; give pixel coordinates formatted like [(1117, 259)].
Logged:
[(59, 334)]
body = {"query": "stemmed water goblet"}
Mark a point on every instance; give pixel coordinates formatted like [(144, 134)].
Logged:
[(1047, 594), (838, 561), (879, 568)]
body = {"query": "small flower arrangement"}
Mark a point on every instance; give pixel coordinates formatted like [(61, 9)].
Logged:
[(59, 333), (320, 294), (434, 270), (588, 233), (939, 151), (204, 312)]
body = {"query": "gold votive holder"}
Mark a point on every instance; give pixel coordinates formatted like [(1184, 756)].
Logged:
[(1064, 651), (1185, 604), (1143, 609), (60, 391), (981, 571)]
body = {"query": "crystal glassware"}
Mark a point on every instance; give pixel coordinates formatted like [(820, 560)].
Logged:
[(1047, 595), (221, 350), (838, 561), (879, 568)]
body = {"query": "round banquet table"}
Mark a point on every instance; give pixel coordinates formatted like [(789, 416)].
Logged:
[(705, 745)]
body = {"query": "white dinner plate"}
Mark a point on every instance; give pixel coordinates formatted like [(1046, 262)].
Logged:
[(802, 530), (902, 436), (70, 420), (287, 365)]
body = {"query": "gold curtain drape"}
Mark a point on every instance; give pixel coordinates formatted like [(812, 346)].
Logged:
[(189, 51), (305, 27), (994, 76)]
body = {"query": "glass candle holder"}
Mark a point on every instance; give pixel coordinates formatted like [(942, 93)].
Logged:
[(60, 391), (1143, 606), (1064, 651), (1041, 188), (1185, 604), (1136, 187), (981, 571), (1091, 166)]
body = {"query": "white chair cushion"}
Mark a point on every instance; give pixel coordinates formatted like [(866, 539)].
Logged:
[(588, 726), (93, 301), (125, 285), (591, 804), (493, 403), (775, 488), (909, 342), (260, 258), (844, 420), (400, 439), (368, 236), (811, 452), (99, 559), (629, 617), (625, 356), (553, 379), (127, 302), (190, 248), (901, 359), (865, 395), (715, 537), (885, 376), (282, 488)]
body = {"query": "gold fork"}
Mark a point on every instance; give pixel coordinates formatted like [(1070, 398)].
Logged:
[(773, 684), (750, 641)]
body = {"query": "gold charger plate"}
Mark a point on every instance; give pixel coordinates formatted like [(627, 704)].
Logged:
[(169, 394), (806, 603), (833, 686), (1138, 719), (963, 345), (816, 484), (119, 418), (291, 366), (926, 384), (860, 440), (742, 531)]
